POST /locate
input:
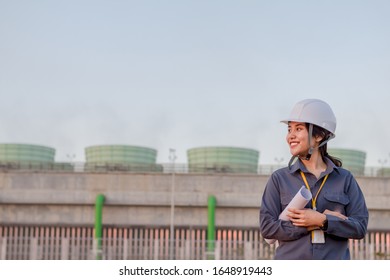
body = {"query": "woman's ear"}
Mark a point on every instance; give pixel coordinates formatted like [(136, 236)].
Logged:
[(319, 138)]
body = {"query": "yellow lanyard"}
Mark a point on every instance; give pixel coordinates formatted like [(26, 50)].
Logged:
[(314, 199)]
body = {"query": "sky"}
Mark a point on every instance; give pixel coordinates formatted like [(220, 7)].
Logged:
[(180, 74)]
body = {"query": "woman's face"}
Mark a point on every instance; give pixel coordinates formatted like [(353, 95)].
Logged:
[(297, 138)]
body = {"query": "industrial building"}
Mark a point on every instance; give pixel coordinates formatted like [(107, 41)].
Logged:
[(124, 205)]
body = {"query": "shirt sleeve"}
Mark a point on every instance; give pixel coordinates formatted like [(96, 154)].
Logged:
[(271, 227), (355, 226)]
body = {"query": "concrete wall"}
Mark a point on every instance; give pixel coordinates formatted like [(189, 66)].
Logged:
[(144, 199)]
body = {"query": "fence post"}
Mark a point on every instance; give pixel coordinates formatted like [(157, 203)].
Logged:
[(156, 249), (125, 248), (34, 248), (3, 248), (248, 251), (372, 251), (65, 248), (217, 250), (188, 250)]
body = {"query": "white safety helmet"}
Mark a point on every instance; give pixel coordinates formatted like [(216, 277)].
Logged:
[(313, 111)]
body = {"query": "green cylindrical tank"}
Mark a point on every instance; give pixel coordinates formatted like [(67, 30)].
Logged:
[(26, 156), (353, 160), (121, 158), (26, 153), (223, 160)]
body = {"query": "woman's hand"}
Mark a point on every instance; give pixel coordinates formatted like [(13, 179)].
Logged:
[(334, 213), (306, 218)]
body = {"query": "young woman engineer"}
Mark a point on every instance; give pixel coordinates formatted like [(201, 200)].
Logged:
[(337, 211)]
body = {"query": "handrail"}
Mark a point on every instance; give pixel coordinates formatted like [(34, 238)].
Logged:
[(164, 168)]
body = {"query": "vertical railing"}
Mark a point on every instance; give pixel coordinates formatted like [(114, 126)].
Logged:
[(51, 243)]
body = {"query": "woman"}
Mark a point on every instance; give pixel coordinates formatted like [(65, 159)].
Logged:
[(337, 211)]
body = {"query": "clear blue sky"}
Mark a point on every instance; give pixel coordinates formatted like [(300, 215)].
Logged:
[(183, 74)]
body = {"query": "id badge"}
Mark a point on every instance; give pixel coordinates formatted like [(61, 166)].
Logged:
[(317, 237)]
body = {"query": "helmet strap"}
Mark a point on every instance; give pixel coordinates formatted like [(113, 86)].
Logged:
[(311, 149), (291, 161)]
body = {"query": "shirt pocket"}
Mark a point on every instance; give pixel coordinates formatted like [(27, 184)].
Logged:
[(336, 202), (285, 199)]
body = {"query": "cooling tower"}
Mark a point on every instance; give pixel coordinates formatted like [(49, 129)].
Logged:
[(121, 158), (27, 156), (223, 160), (353, 160)]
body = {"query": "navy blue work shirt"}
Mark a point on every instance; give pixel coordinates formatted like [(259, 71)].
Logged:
[(340, 193)]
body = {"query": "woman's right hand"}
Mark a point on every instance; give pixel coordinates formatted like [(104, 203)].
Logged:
[(334, 213)]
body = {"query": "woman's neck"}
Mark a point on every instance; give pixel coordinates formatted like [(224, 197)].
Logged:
[(315, 164)]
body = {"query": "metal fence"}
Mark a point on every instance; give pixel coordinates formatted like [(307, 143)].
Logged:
[(263, 169), (77, 243)]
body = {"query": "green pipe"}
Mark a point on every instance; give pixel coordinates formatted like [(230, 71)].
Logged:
[(99, 225), (211, 203)]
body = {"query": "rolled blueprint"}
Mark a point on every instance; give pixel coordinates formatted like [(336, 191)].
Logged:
[(299, 201)]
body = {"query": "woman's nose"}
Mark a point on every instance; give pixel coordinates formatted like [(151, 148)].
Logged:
[(291, 134)]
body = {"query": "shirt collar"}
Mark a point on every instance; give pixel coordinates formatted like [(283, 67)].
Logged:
[(299, 166)]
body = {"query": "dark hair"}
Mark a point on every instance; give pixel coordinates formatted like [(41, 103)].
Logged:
[(319, 131)]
